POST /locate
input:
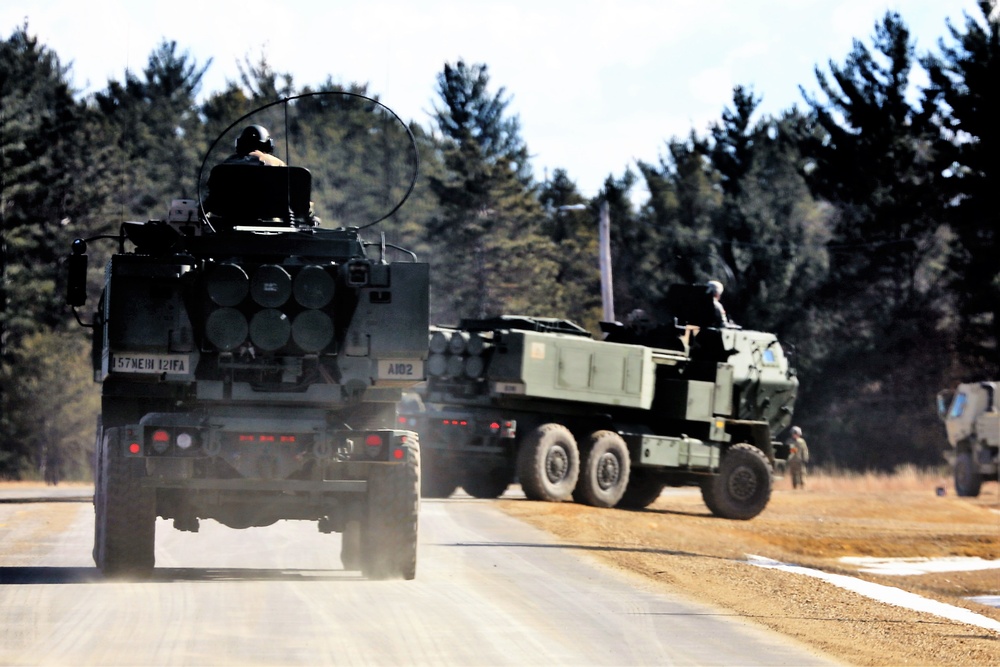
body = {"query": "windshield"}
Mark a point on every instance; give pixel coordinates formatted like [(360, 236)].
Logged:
[(958, 405)]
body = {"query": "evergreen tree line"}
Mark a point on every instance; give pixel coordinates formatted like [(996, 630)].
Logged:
[(857, 227)]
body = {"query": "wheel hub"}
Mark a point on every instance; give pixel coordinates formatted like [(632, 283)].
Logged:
[(608, 471), (742, 483), (556, 464)]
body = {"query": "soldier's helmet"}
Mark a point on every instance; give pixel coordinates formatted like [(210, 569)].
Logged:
[(639, 321), (796, 430), (254, 138)]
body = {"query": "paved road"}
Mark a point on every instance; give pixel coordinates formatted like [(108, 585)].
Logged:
[(489, 591)]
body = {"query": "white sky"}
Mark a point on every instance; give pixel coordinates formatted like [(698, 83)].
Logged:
[(597, 84)]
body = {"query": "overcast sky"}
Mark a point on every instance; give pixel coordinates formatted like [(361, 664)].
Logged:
[(597, 84)]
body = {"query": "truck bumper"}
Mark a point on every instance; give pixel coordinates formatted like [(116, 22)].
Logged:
[(322, 486)]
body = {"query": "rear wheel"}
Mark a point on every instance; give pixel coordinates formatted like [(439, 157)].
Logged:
[(968, 481), (548, 463), (644, 487), (124, 512), (489, 484), (389, 540), (604, 470), (437, 480), (742, 488), (350, 546)]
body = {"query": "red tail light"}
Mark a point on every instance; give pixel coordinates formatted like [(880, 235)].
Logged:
[(373, 446)]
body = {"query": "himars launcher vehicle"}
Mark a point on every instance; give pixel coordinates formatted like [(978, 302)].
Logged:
[(251, 360), (605, 422)]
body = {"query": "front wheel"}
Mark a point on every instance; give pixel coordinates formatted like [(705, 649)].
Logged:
[(548, 463), (968, 481), (604, 470), (742, 487)]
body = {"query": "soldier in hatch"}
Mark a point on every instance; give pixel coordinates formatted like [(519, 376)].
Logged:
[(721, 319), (255, 146)]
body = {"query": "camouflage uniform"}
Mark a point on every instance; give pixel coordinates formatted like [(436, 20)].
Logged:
[(798, 457)]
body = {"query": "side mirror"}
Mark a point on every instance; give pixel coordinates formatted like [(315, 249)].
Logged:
[(76, 268)]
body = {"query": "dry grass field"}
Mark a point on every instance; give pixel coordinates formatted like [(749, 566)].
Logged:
[(677, 544)]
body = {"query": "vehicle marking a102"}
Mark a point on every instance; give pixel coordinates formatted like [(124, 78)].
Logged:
[(401, 369)]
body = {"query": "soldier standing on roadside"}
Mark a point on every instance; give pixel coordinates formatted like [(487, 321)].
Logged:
[(798, 457)]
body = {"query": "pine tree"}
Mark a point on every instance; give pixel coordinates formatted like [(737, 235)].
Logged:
[(158, 132), (769, 233), (53, 155), (870, 154), (488, 257), (571, 225), (963, 98)]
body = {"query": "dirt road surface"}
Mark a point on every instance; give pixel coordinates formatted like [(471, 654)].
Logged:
[(490, 590), (544, 594), (678, 545)]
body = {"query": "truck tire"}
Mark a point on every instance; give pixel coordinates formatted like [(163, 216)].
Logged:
[(98, 491), (548, 463), (350, 546), (968, 481), (124, 512), (488, 484), (437, 480), (742, 487), (604, 470), (389, 540), (644, 487)]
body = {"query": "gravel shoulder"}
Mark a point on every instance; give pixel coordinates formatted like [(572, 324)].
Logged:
[(676, 543)]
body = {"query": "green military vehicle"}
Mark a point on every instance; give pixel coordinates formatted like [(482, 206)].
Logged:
[(605, 422), (251, 359), (972, 423)]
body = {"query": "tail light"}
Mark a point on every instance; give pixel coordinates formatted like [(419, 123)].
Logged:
[(161, 441), (506, 428), (374, 445), (386, 446), (170, 441)]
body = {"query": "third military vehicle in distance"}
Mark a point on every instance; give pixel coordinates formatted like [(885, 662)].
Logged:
[(605, 422), (972, 423), (252, 346)]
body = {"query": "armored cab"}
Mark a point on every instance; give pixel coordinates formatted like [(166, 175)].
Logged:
[(251, 360)]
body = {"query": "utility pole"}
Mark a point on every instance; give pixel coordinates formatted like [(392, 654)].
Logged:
[(604, 261)]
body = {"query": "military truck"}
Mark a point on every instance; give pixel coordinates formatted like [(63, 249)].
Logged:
[(972, 423), (251, 359), (605, 422)]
